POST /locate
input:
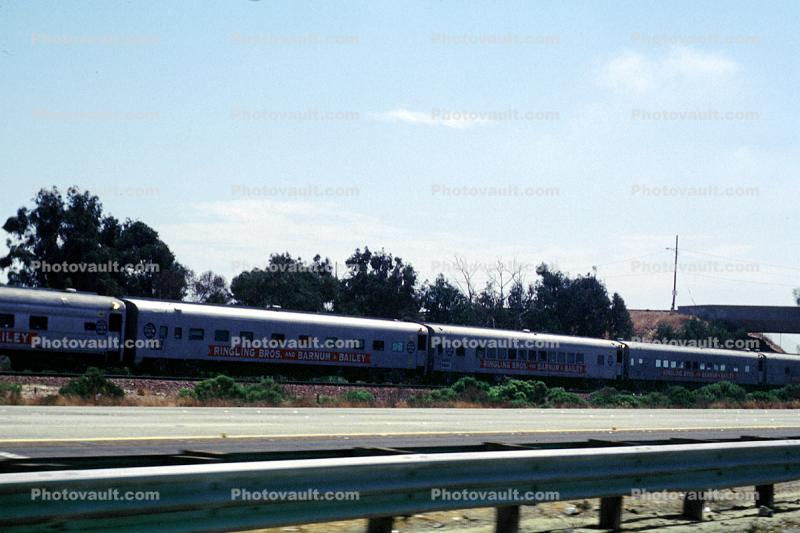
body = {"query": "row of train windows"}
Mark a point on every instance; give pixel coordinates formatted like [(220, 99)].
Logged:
[(541, 356), (303, 341), (37, 323), (694, 365), (41, 323)]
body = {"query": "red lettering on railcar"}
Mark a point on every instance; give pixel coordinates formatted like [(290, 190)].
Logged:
[(16, 337), (530, 366), (275, 354), (699, 374)]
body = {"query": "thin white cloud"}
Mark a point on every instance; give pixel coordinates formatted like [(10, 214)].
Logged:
[(427, 119), (637, 72)]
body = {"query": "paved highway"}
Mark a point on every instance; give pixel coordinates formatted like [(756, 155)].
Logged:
[(36, 423)]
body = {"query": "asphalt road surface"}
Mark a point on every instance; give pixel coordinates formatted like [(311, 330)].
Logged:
[(47, 431)]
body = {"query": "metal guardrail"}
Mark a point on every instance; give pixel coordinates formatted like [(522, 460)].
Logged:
[(199, 497)]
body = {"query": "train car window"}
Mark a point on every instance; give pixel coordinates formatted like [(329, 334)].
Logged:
[(632, 361), (747, 368), (461, 351), (579, 358), (673, 364), (542, 356), (397, 347), (439, 349), (89, 326), (178, 333), (571, 358), (246, 335), (658, 363), (562, 357), (695, 365), (760, 364), (601, 360), (552, 357), (512, 353), (360, 344), (787, 371), (641, 361), (716, 366), (163, 332), (115, 322), (480, 352), (619, 356), (377, 346), (196, 334), (222, 335), (736, 369), (491, 353), (38, 323), (722, 367), (6, 320)]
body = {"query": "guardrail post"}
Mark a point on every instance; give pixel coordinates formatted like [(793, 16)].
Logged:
[(765, 496), (611, 512), (382, 524), (693, 504), (507, 519)]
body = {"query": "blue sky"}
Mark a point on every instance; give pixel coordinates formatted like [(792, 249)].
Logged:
[(204, 119)]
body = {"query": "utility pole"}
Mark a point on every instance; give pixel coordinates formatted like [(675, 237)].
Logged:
[(674, 275)]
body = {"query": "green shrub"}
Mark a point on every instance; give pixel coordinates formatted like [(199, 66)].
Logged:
[(790, 392), (773, 396), (603, 397), (323, 399), (266, 391), (611, 397), (219, 388), (469, 389), (681, 396), (186, 393), (519, 393), (656, 399), (91, 384), (10, 393), (558, 397), (724, 391), (359, 396)]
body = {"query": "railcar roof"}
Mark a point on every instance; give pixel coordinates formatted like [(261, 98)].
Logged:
[(51, 297), (467, 331), (229, 311), (674, 348)]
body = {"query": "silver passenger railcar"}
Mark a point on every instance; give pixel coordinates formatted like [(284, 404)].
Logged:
[(217, 333), (467, 350), (68, 325)]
